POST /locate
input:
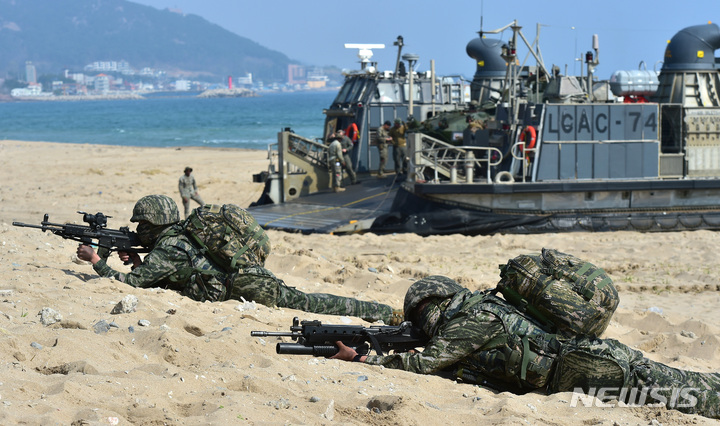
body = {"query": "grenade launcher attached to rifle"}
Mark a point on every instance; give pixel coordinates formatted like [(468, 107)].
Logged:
[(95, 232), (314, 338)]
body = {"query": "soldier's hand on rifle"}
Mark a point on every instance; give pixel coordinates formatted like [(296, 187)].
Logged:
[(103, 252), (347, 353), (85, 252), (130, 257)]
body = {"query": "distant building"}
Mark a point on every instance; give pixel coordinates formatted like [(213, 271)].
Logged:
[(30, 72), (78, 77), (33, 89), (69, 89), (110, 66), (316, 79), (117, 84), (102, 83), (183, 85), (244, 81), (297, 74)]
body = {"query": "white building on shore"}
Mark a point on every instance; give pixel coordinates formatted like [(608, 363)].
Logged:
[(102, 84), (183, 85), (33, 89)]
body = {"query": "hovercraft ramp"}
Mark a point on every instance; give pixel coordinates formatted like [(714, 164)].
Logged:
[(326, 212)]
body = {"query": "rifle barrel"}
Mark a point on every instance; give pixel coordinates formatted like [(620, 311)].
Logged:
[(272, 333), (26, 225), (298, 349)]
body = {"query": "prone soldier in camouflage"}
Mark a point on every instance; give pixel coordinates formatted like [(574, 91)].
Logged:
[(482, 339), (176, 262)]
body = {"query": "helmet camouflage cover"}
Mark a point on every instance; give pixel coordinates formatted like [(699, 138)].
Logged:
[(156, 209), (432, 286)]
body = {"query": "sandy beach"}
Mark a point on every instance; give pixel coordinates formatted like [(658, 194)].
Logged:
[(195, 363)]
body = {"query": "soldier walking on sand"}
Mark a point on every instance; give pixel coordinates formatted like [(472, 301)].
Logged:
[(188, 190)]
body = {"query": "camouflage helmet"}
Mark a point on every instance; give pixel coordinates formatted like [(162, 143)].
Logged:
[(156, 209), (432, 286)]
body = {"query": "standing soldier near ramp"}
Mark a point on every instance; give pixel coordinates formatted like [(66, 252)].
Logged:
[(382, 141), (335, 163), (347, 147), (399, 147)]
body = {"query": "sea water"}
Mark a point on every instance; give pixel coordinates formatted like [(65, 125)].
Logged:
[(176, 121)]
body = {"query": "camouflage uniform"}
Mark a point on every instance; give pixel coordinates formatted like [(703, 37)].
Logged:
[(335, 157), (397, 132), (383, 135), (259, 284), (188, 191), (482, 339), (347, 145), (176, 263)]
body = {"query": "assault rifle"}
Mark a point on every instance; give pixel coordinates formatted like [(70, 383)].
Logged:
[(112, 239), (314, 338)]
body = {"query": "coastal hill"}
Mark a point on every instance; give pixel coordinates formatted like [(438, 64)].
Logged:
[(69, 34)]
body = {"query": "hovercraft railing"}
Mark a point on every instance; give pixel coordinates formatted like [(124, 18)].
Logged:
[(312, 152), (452, 164), (307, 153)]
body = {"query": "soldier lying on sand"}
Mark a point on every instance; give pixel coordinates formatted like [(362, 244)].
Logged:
[(482, 339), (178, 263)]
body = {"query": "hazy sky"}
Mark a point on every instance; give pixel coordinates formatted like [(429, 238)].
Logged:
[(314, 31)]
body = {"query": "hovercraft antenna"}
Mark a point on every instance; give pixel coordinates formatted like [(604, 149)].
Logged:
[(365, 53)]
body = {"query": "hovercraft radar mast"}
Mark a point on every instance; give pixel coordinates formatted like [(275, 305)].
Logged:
[(365, 53)]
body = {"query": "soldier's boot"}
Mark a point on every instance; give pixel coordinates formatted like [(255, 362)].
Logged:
[(689, 392), (338, 189)]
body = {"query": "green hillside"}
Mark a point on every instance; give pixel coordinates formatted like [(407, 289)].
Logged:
[(60, 34)]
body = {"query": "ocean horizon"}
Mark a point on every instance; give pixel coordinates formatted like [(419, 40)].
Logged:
[(250, 123)]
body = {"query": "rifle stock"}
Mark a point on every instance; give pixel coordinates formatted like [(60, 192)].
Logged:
[(314, 338)]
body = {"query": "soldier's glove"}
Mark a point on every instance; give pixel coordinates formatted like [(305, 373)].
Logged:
[(103, 252), (397, 317)]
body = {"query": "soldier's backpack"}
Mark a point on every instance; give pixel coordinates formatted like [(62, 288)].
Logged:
[(567, 295), (229, 235)]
